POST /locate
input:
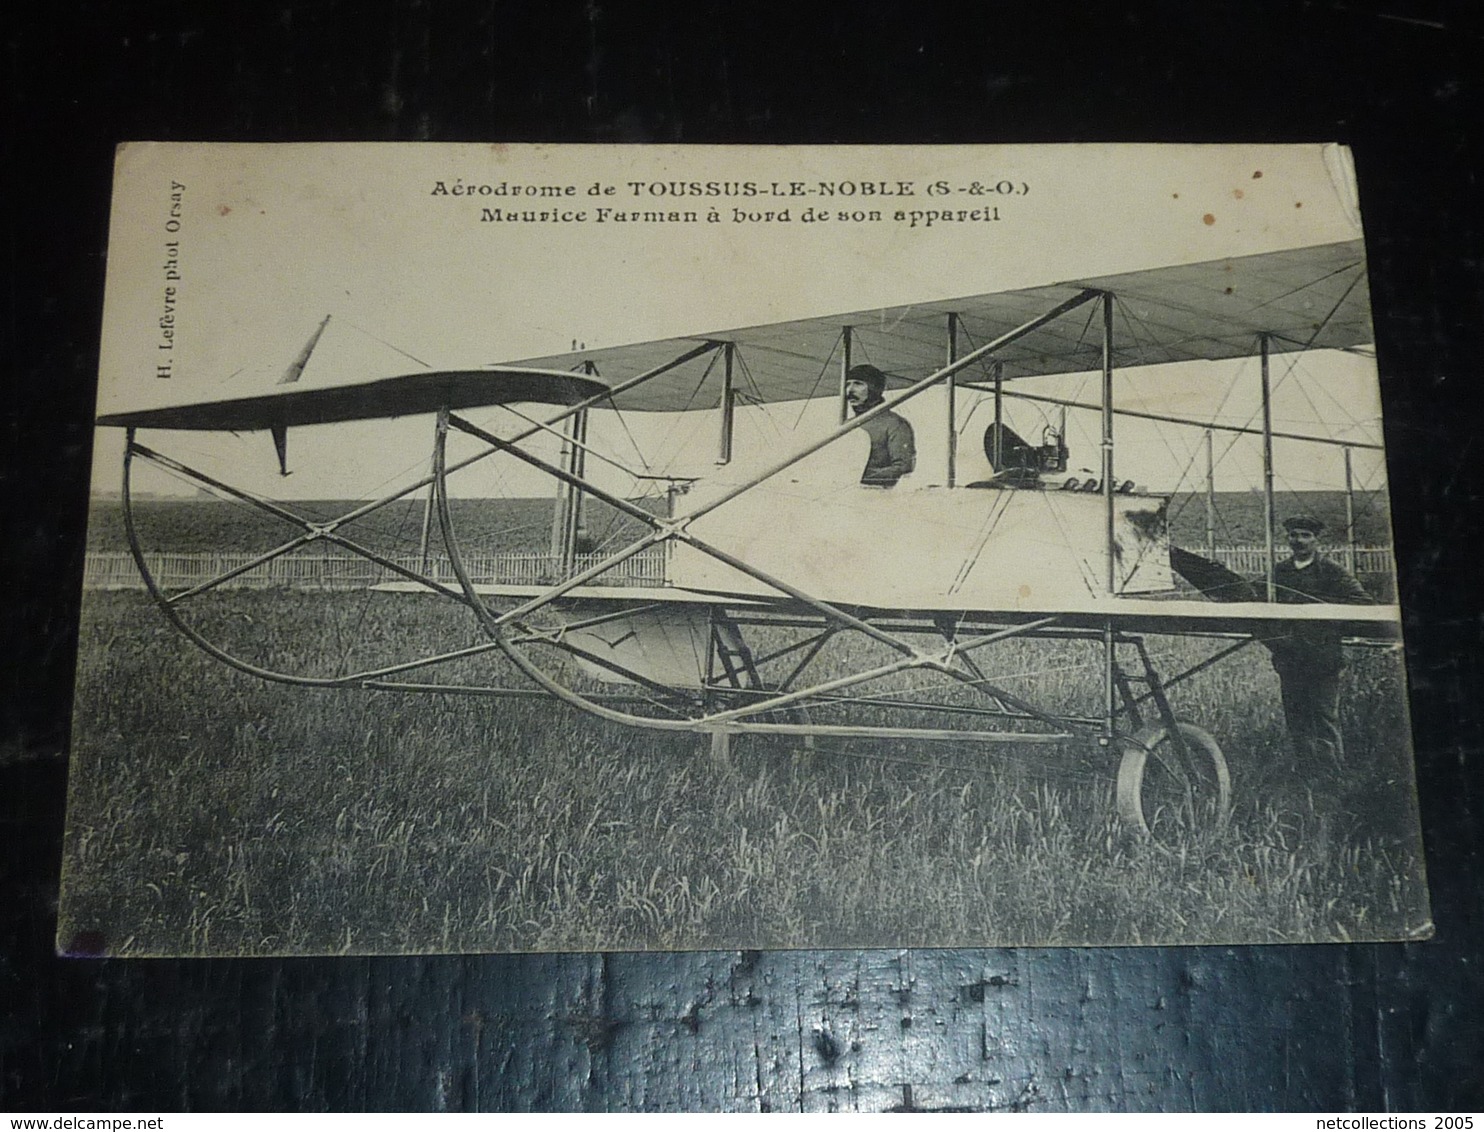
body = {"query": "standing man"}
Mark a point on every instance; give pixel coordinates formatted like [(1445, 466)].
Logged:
[(893, 448), (1309, 658)]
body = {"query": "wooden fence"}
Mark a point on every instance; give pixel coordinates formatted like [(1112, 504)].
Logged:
[(107, 570), (116, 570), (1253, 559)]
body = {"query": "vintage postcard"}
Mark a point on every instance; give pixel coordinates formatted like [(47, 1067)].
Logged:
[(529, 548)]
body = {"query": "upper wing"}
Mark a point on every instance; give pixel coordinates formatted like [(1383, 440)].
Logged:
[(398, 396), (1304, 298)]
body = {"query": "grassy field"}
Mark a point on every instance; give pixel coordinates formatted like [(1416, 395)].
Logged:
[(213, 813), (200, 525)]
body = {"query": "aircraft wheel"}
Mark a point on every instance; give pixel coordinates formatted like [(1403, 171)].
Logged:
[(1168, 789)]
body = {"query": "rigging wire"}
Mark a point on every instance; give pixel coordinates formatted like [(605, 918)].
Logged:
[(686, 408), (1366, 426), (759, 401), (824, 369), (1161, 429), (384, 342), (623, 422), (991, 521)]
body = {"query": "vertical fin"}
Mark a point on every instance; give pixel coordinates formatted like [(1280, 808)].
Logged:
[(295, 371), (281, 446), (291, 375)]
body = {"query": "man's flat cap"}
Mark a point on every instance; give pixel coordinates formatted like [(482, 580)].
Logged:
[(1303, 523)]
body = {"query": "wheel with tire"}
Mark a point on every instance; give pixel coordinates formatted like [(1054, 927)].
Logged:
[(1167, 788)]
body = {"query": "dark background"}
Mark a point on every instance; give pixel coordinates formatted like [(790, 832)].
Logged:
[(1366, 1027)]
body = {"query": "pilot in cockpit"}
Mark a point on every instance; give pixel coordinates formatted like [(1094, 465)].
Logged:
[(893, 448)]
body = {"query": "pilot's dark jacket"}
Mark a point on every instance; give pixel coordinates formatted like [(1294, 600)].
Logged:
[(893, 450), (1308, 658)]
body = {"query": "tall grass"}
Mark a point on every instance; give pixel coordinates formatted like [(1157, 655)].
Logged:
[(212, 813)]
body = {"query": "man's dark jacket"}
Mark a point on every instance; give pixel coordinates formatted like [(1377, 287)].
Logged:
[(1317, 644), (893, 450)]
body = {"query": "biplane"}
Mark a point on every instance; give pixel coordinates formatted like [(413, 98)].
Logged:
[(793, 600)]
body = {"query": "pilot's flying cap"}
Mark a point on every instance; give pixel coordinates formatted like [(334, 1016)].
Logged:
[(1303, 523), (872, 376)]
